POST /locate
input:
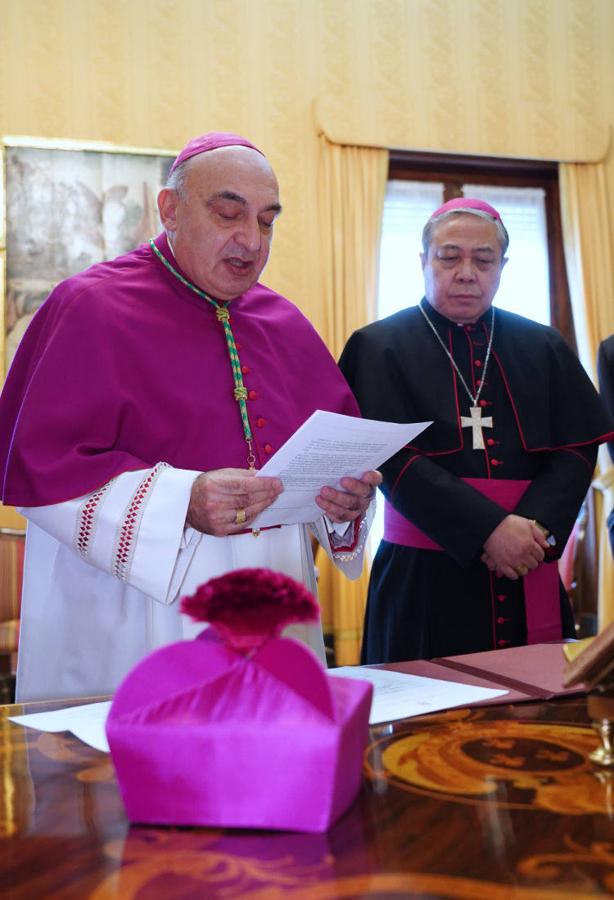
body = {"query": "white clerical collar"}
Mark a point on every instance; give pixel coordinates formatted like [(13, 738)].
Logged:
[(170, 246)]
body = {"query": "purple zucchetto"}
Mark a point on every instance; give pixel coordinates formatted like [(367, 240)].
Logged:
[(213, 140), (466, 203)]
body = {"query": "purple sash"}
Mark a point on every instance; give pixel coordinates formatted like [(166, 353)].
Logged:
[(541, 585)]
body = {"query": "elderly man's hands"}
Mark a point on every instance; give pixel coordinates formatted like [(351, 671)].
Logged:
[(226, 501), (516, 546), (353, 501)]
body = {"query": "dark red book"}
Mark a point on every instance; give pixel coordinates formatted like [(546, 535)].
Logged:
[(534, 672)]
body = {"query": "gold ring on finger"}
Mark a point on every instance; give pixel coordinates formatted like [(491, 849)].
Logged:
[(240, 517), (522, 571)]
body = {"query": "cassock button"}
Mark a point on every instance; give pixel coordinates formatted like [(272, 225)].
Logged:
[(502, 620), (268, 449), (490, 442), (260, 422), (252, 395), (478, 363), (501, 597), (484, 403), (245, 370), (494, 462), (502, 643)]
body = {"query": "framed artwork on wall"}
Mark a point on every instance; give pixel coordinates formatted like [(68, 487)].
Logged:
[(67, 205)]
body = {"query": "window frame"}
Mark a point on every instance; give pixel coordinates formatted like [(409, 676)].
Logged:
[(453, 171)]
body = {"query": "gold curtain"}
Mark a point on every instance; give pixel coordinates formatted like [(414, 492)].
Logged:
[(588, 238), (351, 189)]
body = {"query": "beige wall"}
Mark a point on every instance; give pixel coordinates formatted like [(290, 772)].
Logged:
[(502, 77)]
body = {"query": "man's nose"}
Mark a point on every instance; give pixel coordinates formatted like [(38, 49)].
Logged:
[(466, 270), (250, 235)]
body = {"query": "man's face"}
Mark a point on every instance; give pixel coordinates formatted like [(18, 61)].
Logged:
[(463, 267), (221, 223)]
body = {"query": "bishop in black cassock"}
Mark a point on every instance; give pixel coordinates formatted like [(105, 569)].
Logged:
[(479, 509)]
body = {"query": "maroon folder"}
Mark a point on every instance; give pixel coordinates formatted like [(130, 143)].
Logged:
[(534, 672)]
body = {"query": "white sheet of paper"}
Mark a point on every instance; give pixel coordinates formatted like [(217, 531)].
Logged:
[(327, 447), (395, 696), (85, 722), (399, 696)]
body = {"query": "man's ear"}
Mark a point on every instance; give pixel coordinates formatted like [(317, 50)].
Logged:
[(167, 207), (423, 260)]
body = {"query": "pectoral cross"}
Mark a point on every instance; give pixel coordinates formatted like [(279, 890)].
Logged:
[(477, 423)]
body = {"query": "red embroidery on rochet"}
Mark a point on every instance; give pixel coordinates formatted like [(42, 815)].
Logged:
[(127, 533), (87, 517), (349, 548)]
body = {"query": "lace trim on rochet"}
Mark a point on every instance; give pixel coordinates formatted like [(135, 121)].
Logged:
[(123, 551), (87, 517), (342, 555)]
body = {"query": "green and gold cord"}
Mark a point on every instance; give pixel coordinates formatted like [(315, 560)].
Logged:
[(223, 316)]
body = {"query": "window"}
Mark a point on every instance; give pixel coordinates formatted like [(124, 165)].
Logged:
[(534, 282), (525, 286)]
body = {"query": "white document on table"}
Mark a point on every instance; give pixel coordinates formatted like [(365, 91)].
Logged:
[(395, 696), (86, 722), (327, 447), (399, 696)]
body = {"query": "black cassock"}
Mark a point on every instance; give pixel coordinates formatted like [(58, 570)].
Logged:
[(605, 370), (547, 422)]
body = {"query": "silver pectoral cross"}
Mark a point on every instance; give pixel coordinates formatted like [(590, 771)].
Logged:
[(475, 421)]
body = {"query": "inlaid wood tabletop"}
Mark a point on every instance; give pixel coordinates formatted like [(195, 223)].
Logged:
[(491, 802)]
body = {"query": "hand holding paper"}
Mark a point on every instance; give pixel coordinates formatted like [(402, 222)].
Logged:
[(222, 501), (353, 501), (327, 448)]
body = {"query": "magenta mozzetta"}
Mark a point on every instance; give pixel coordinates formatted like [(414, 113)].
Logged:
[(119, 343)]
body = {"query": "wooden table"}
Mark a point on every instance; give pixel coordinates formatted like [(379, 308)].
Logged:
[(491, 802)]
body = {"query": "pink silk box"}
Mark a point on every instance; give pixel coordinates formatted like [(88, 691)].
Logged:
[(203, 735)]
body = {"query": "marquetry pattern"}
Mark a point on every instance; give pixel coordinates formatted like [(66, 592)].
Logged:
[(522, 764), (86, 766), (65, 832)]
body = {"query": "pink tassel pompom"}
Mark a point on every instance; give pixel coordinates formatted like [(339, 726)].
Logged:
[(249, 606)]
